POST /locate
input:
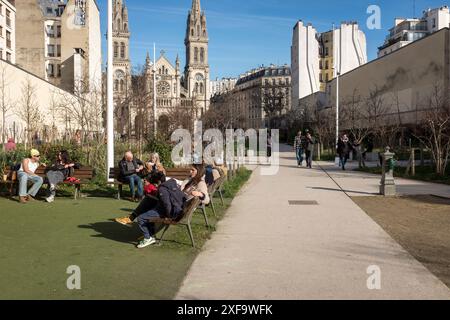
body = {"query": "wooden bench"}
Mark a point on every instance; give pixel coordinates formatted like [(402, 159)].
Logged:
[(84, 174), (184, 220), (175, 173)]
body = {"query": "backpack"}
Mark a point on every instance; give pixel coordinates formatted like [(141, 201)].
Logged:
[(176, 197)]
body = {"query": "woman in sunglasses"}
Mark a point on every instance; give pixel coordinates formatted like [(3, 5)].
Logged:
[(27, 173)]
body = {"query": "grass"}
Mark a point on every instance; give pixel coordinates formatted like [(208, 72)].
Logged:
[(40, 241), (423, 173)]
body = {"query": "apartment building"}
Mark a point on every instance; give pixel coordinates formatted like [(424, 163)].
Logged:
[(60, 41), (406, 31), (7, 30), (219, 86), (316, 58)]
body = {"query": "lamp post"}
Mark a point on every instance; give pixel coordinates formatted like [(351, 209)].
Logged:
[(337, 71), (110, 96)]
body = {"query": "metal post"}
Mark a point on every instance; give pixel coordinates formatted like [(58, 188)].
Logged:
[(110, 96), (154, 91)]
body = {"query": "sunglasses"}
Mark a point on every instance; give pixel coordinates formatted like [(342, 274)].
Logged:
[(38, 156)]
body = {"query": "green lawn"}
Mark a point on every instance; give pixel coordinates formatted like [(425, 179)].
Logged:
[(39, 241)]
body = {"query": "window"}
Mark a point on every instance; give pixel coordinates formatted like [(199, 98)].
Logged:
[(1, 53), (202, 55), (122, 50), (58, 31), (122, 85), (58, 50), (8, 18), (327, 51), (320, 65), (8, 57), (320, 78), (327, 65), (8, 39), (51, 70), (58, 70), (327, 78), (201, 88), (195, 54), (116, 50), (51, 31), (50, 50), (116, 85)]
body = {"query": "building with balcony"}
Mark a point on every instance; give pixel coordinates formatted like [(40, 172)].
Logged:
[(406, 31), (7, 30)]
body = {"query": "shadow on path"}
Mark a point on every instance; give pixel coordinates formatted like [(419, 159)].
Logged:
[(347, 191)]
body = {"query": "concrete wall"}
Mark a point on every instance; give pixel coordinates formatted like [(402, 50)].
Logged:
[(45, 97), (30, 38), (405, 79)]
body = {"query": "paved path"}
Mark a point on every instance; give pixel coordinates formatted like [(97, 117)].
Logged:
[(266, 249)]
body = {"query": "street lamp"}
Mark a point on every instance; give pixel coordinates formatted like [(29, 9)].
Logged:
[(110, 96)]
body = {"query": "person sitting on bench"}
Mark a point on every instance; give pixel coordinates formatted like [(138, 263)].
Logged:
[(59, 172), (130, 168), (27, 173)]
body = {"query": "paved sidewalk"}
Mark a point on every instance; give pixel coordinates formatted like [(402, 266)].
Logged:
[(266, 249)]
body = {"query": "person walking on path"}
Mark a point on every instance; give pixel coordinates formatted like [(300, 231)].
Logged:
[(130, 168), (298, 147), (310, 141), (343, 150), (358, 148), (59, 172), (27, 173)]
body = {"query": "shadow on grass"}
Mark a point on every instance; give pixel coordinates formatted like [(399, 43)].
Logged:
[(114, 231)]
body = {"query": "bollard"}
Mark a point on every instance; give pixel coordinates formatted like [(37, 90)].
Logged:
[(387, 187)]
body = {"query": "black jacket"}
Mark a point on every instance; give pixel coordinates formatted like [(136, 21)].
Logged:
[(344, 148), (124, 172), (67, 172), (171, 199)]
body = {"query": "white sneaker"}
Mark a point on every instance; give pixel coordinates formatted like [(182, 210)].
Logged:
[(50, 199), (146, 242)]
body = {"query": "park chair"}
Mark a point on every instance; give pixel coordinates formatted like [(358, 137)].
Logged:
[(184, 220)]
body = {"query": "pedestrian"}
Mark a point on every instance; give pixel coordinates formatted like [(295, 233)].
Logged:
[(269, 146), (298, 147), (27, 173), (343, 150), (358, 148), (310, 141), (130, 169)]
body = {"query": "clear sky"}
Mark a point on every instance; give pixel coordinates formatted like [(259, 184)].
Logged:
[(245, 34)]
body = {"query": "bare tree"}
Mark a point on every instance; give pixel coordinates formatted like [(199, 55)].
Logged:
[(29, 110), (355, 118), (5, 102), (434, 129), (275, 101)]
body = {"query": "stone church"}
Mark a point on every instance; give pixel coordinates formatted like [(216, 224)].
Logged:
[(174, 88)]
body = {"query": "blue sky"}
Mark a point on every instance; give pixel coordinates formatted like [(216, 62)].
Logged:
[(248, 33)]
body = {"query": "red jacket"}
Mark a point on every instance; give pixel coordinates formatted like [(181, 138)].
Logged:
[(150, 190)]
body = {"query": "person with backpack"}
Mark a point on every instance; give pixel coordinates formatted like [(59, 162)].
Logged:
[(171, 202)]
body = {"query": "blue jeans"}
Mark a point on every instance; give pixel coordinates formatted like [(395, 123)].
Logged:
[(133, 181), (299, 154), (148, 228), (23, 178)]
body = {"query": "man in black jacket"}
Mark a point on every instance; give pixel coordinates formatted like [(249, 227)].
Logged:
[(130, 168)]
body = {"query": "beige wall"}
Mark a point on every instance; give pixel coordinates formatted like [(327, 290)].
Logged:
[(404, 79), (30, 38), (45, 97)]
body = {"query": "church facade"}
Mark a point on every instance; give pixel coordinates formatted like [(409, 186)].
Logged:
[(165, 82)]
